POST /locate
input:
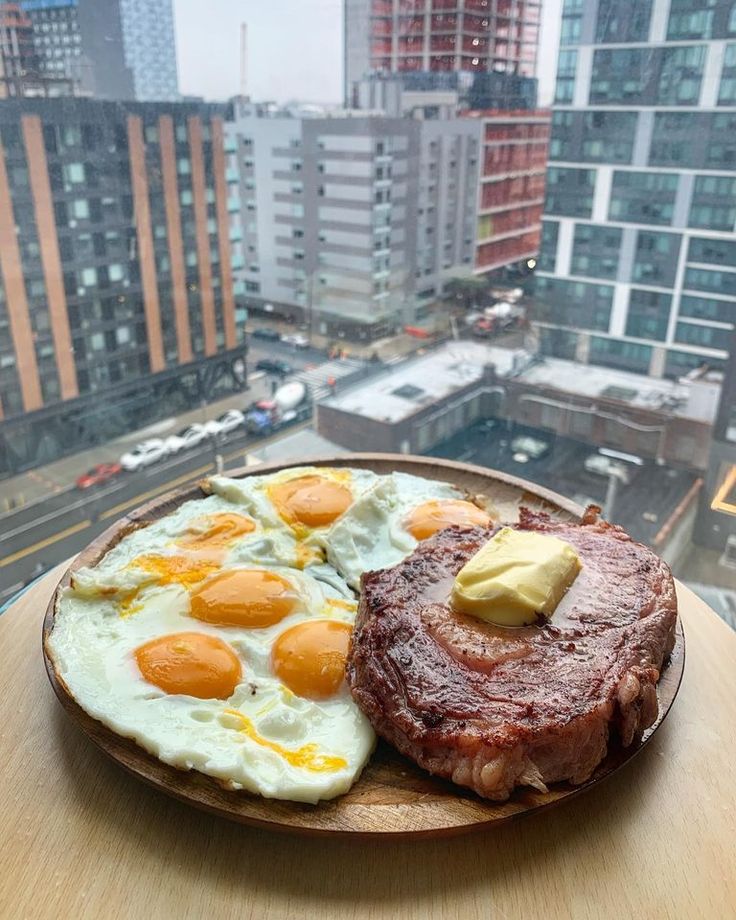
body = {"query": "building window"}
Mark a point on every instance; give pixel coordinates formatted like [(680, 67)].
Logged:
[(183, 166), (548, 248), (680, 76), (701, 279), (579, 304), (570, 191), (713, 251), (595, 251), (702, 336), (687, 21), (648, 315), (722, 311), (713, 204), (655, 258), (80, 209), (621, 21), (679, 363), (565, 85), (629, 356), (643, 197), (727, 89)]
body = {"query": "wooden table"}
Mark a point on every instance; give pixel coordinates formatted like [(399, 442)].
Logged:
[(80, 838)]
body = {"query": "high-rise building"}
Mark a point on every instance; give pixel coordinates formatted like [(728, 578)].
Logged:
[(638, 262), (150, 48), (82, 41), (351, 223), (111, 49), (116, 301), (440, 36), (17, 53)]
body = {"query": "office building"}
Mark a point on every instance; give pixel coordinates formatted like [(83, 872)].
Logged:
[(638, 261), (116, 303), (17, 53), (110, 49), (464, 37), (351, 223), (82, 41), (149, 42)]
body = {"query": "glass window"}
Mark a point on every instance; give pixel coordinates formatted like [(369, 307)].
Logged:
[(702, 336), (74, 172), (690, 19), (608, 137), (655, 258), (713, 204), (620, 76), (566, 64), (717, 282), (648, 314), (595, 251), (679, 363), (680, 75), (727, 89), (115, 272), (80, 208), (570, 191), (722, 311), (88, 277), (629, 356), (643, 197), (579, 304), (548, 246), (623, 21), (714, 251)]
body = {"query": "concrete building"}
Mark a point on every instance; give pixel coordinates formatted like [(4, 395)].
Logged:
[(149, 42), (465, 37), (638, 262), (349, 223), (116, 301), (414, 406)]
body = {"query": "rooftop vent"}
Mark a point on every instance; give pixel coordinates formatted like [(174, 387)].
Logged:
[(408, 391), (624, 394)]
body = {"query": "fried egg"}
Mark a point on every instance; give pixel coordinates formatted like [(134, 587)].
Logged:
[(387, 522), (304, 501), (238, 674)]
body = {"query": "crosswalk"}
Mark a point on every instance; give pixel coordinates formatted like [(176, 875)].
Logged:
[(316, 378)]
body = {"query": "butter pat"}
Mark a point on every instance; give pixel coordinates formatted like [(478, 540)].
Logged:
[(516, 576)]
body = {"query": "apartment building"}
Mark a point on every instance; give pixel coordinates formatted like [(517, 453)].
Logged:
[(349, 223), (638, 262), (116, 302)]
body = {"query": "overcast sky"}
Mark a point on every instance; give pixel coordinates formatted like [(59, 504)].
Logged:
[(294, 48)]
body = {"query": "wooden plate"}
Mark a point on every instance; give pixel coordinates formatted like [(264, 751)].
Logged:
[(393, 796)]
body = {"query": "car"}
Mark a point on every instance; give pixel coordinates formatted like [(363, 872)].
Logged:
[(274, 366), (98, 475), (600, 465), (269, 335), (144, 454), (296, 339), (231, 420), (187, 438), (526, 448)]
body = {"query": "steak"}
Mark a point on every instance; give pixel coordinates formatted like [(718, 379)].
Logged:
[(492, 707)]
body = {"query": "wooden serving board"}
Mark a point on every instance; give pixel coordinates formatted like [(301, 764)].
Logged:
[(392, 797)]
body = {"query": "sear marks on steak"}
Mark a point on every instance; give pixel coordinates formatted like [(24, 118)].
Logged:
[(495, 707)]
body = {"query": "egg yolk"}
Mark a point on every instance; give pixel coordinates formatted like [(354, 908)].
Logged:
[(216, 531), (192, 664), (310, 658), (427, 519), (251, 598), (175, 570), (310, 500)]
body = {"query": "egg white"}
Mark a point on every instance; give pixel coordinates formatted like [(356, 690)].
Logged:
[(370, 535), (93, 647)]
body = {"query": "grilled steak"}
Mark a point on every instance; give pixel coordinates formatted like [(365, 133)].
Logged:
[(492, 707)]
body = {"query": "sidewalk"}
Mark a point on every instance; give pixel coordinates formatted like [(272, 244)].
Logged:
[(60, 476)]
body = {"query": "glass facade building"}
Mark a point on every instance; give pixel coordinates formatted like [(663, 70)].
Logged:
[(638, 239)]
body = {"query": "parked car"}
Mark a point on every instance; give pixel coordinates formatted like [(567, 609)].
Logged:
[(274, 366), (526, 448), (600, 465), (229, 421), (269, 335), (296, 339), (144, 454), (98, 475), (187, 438)]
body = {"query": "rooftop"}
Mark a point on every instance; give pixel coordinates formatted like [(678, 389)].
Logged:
[(406, 387)]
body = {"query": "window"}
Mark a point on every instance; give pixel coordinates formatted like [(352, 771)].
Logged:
[(714, 203), (566, 64), (703, 336), (648, 314), (628, 356), (573, 303), (80, 209), (718, 282), (569, 191), (655, 259), (722, 311), (622, 21), (595, 251), (714, 251), (548, 247), (643, 197), (727, 89)]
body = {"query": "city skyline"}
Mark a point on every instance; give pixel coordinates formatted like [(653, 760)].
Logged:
[(318, 75)]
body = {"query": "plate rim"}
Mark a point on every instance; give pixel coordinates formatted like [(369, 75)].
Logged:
[(111, 743)]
